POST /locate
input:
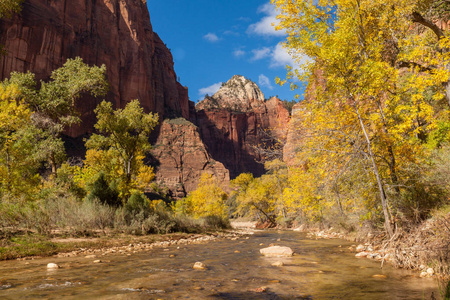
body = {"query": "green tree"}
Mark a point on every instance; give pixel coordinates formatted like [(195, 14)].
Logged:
[(54, 103), (7, 7), (121, 145)]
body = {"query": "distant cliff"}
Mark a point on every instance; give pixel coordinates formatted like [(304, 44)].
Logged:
[(237, 120)]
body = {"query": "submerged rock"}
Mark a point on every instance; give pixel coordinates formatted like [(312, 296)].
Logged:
[(199, 266), (277, 251), (278, 264), (52, 266)]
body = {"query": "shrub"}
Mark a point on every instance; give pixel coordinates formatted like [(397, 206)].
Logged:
[(106, 192)]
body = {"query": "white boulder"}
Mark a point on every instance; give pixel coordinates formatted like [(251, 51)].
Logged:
[(277, 251)]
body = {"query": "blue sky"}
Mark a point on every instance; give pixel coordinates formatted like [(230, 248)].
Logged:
[(212, 40)]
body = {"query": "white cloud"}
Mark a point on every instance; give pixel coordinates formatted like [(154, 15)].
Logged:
[(264, 26), (264, 81), (210, 90), (238, 53), (211, 37), (281, 58), (261, 53)]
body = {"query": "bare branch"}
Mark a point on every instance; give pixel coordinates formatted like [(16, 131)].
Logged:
[(417, 18)]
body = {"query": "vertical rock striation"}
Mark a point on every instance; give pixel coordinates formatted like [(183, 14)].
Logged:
[(117, 33), (183, 158)]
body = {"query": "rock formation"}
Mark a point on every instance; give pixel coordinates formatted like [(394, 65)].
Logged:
[(293, 136), (237, 120), (238, 95), (116, 33), (183, 158)]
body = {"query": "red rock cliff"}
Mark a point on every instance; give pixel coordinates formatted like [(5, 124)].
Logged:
[(234, 122), (183, 158), (116, 33)]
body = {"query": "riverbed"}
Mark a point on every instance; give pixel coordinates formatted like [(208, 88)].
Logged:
[(320, 269)]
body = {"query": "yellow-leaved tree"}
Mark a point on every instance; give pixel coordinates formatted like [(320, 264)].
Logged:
[(118, 151), (378, 73), (208, 199), (18, 164)]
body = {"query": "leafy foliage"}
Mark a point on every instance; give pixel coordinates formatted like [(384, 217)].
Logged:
[(53, 104), (18, 164), (378, 73), (207, 200), (120, 149), (7, 7)]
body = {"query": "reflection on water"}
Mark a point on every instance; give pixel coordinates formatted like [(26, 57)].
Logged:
[(320, 269)]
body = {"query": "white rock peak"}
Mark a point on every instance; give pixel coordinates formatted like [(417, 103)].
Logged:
[(237, 94)]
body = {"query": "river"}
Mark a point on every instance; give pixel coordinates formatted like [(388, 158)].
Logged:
[(320, 269)]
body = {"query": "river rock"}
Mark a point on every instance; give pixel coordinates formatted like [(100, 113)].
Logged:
[(278, 264), (199, 266), (52, 266), (362, 254), (277, 251), (360, 248)]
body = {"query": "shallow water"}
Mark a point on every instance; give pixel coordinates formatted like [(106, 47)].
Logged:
[(320, 269)]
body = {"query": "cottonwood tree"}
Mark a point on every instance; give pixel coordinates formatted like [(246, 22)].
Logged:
[(207, 200), (355, 50), (18, 163), (53, 103), (120, 147)]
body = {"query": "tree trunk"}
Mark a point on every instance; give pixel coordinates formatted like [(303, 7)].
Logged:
[(53, 164), (387, 223), (447, 88)]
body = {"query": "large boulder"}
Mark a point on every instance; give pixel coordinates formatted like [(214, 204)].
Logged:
[(277, 251)]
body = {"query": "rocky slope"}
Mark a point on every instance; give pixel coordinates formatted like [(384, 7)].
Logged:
[(236, 121), (117, 33), (183, 158)]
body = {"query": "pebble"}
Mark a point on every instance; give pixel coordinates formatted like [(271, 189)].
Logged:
[(362, 254), (360, 248)]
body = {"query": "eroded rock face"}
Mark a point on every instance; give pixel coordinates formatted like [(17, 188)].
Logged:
[(238, 123), (294, 136), (238, 95), (117, 33), (183, 158)]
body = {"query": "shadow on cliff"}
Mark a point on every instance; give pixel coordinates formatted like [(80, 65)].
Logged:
[(235, 155)]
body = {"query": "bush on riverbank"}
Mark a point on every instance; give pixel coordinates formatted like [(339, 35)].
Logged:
[(64, 212)]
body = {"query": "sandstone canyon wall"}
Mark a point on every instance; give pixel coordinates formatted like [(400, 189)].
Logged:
[(183, 157), (117, 33), (227, 127), (235, 121)]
